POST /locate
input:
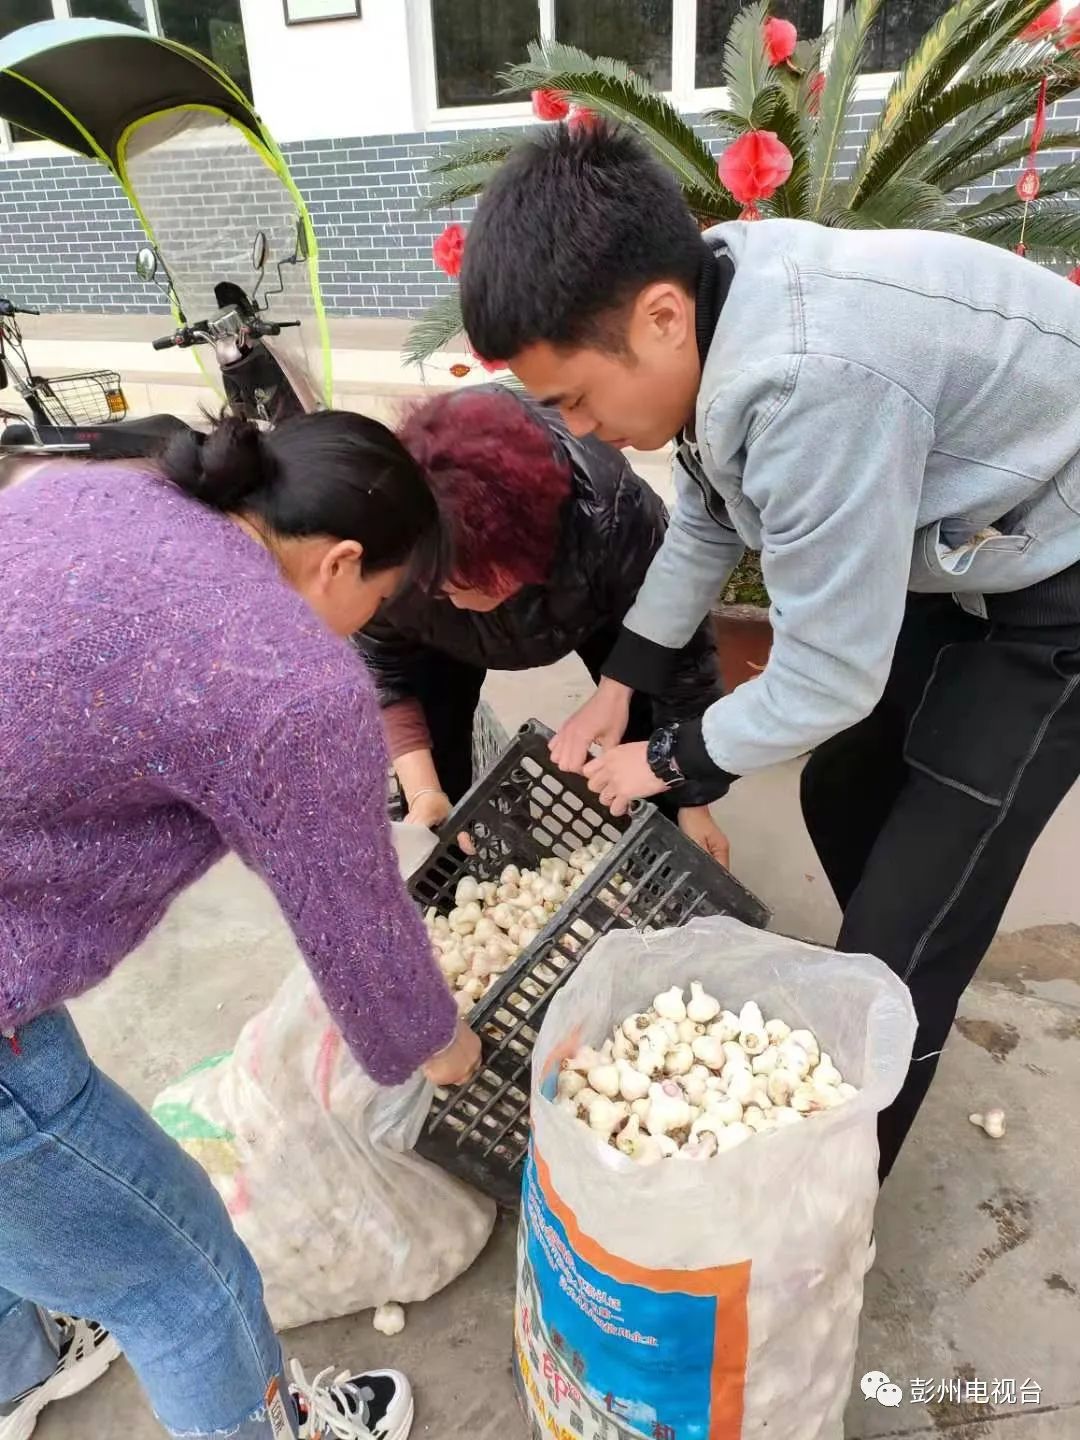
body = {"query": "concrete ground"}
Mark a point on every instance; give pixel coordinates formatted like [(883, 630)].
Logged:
[(978, 1270)]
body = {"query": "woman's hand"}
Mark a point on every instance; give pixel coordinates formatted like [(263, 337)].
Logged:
[(458, 1062), (430, 808), (622, 775), (696, 822), (602, 721)]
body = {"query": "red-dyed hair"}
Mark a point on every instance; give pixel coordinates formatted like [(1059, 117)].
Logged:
[(500, 482)]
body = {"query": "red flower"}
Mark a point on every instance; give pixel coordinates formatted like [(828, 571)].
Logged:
[(1043, 24), (583, 116), (550, 105), (448, 250), (814, 92), (781, 38), (1070, 30), (1074, 276), (755, 166)]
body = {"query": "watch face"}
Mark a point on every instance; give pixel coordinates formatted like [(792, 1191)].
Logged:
[(661, 755)]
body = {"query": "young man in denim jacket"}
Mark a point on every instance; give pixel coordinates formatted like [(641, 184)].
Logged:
[(891, 419)]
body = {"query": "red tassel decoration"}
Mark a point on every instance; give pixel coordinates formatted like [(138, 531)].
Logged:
[(1027, 187)]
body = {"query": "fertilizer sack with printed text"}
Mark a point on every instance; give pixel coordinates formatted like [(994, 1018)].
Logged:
[(704, 1299)]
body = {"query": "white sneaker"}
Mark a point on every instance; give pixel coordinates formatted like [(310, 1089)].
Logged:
[(375, 1406), (86, 1352)]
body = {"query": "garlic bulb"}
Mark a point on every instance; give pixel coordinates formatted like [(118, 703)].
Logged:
[(726, 1027), (669, 1004), (702, 1008), (993, 1122), (467, 890), (766, 1062), (664, 1084), (825, 1072), (389, 1319), (679, 1060), (604, 1079), (808, 1040), (710, 1051), (605, 1116), (689, 1031), (650, 1061), (732, 1135), (668, 1109), (633, 1085)]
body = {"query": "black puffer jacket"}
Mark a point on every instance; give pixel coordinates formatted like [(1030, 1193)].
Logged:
[(612, 526)]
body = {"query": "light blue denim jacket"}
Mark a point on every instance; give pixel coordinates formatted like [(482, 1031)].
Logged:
[(880, 411)]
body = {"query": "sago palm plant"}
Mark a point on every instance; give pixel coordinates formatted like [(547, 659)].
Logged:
[(951, 118)]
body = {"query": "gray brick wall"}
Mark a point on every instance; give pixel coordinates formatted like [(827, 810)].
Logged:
[(68, 236)]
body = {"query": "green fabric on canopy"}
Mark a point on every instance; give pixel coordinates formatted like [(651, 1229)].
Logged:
[(81, 83)]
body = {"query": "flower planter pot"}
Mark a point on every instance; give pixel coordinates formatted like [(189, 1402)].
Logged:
[(743, 638)]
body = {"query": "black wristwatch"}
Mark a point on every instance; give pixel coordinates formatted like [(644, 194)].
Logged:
[(661, 756)]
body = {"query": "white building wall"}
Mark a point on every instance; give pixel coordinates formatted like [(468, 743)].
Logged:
[(332, 78)]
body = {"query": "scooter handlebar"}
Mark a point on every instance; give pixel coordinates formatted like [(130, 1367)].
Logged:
[(164, 342)]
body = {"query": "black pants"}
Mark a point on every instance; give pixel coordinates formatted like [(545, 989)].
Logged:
[(449, 691), (924, 813)]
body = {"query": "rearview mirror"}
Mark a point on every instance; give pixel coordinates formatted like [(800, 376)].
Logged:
[(258, 251), (146, 263)]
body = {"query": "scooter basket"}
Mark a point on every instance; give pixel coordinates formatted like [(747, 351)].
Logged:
[(653, 878), (95, 398)]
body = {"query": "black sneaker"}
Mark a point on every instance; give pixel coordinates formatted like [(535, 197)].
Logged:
[(86, 1352), (377, 1405)]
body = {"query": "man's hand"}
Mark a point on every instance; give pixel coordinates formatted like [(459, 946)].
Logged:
[(602, 721), (696, 822), (622, 775), (458, 1062), (430, 808)]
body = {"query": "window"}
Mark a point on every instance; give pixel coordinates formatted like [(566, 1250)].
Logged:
[(899, 27), (126, 12), (714, 18), (213, 27), (637, 31), (474, 41), (677, 45), (14, 14)]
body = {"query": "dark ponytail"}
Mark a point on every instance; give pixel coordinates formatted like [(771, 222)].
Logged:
[(332, 473)]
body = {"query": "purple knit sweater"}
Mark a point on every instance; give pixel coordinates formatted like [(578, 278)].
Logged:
[(165, 697)]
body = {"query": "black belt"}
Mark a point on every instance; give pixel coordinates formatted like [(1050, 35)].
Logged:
[(1055, 601)]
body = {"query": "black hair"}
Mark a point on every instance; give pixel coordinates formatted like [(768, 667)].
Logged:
[(574, 224), (330, 473)]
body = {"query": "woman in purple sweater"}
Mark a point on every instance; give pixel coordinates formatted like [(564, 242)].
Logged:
[(173, 686)]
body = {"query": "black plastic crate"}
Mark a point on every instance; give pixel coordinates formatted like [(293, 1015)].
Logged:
[(653, 878)]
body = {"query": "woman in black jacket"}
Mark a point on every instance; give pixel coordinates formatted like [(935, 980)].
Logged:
[(551, 537)]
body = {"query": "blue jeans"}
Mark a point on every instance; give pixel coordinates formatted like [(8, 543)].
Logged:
[(102, 1215)]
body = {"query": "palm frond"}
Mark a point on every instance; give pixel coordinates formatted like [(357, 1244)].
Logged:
[(1051, 233), (485, 148), (773, 110), (1058, 181), (941, 110), (995, 117), (746, 65), (928, 69), (840, 80), (611, 88), (466, 180), (440, 323), (903, 203), (726, 122), (1003, 157)]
